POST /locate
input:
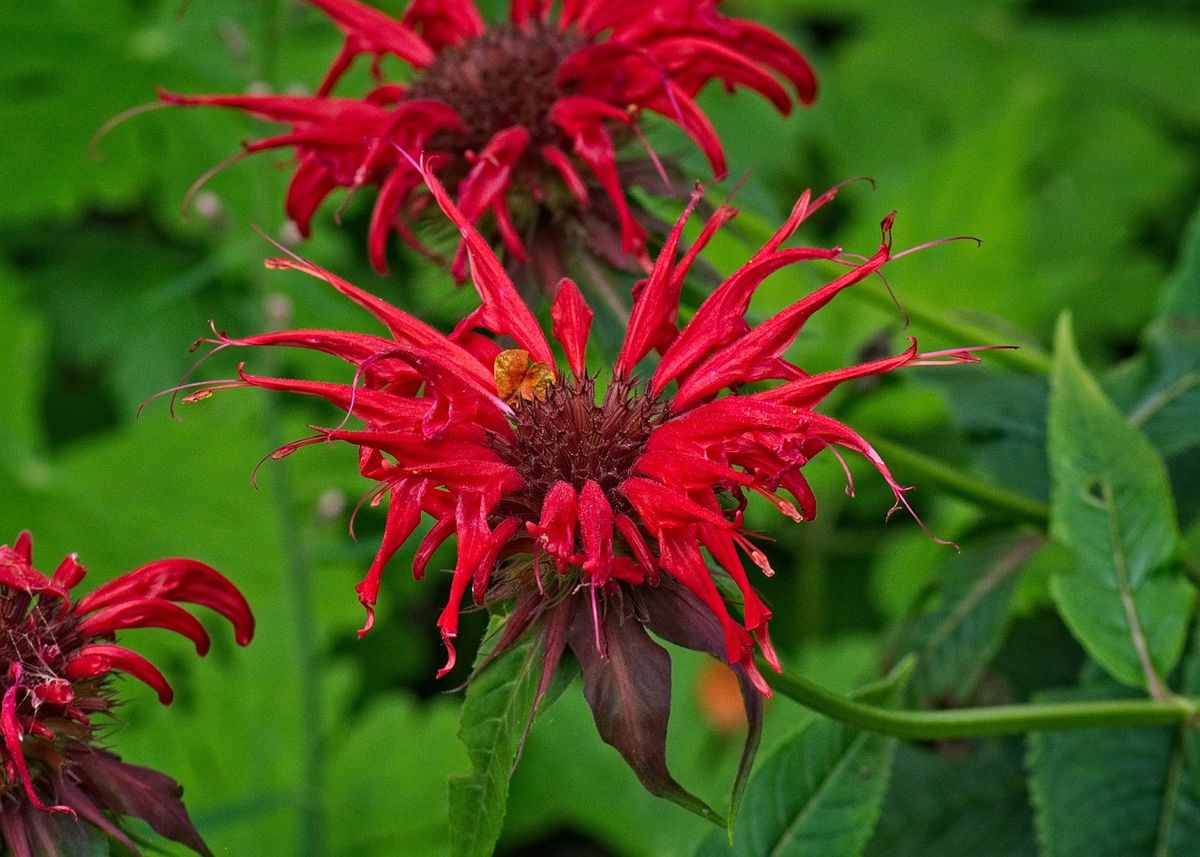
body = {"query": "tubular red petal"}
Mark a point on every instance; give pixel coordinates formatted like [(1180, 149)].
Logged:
[(637, 544), (99, 659), (23, 546), (571, 318), (437, 534), (177, 579), (555, 532), (489, 178), (558, 159), (147, 613), (403, 515), (310, 185), (658, 304), (10, 725), (807, 392), (369, 30), (474, 540), (442, 23), (679, 107), (767, 47), (483, 572), (754, 356), (502, 309), (580, 118), (596, 533)]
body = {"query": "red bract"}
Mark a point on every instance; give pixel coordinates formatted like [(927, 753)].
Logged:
[(593, 511), (55, 658), (529, 115)]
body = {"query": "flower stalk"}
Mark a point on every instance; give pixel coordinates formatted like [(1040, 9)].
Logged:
[(952, 724)]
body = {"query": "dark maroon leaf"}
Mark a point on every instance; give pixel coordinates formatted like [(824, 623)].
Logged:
[(133, 790), (628, 687), (678, 617)]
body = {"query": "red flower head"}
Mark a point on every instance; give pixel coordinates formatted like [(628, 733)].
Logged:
[(591, 506), (528, 115), (55, 659)]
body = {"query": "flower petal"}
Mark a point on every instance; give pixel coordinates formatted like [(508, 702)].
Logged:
[(102, 658)]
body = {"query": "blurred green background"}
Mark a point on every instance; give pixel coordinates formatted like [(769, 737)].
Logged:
[(1062, 133)]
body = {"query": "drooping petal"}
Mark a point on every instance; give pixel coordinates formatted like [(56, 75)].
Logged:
[(596, 533), (403, 515), (99, 659), (555, 532), (178, 579), (10, 726), (146, 613), (370, 31)]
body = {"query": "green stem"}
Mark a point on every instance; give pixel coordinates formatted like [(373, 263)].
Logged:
[(954, 481), (300, 586), (978, 722), (1027, 358)]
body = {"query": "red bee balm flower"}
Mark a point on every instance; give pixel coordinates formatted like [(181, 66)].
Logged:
[(55, 658), (592, 510), (531, 111)]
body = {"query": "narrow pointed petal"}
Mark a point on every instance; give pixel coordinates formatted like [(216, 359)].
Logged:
[(502, 310), (652, 322), (571, 319)]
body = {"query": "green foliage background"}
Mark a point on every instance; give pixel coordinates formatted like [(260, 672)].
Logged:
[(1063, 134)]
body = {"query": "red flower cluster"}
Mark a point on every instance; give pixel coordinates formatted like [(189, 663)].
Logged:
[(55, 659), (528, 115), (592, 512)]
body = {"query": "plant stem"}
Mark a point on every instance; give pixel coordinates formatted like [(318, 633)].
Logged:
[(978, 722), (298, 566), (960, 484), (1027, 358)]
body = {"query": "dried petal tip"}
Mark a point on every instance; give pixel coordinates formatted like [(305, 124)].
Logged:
[(55, 657)]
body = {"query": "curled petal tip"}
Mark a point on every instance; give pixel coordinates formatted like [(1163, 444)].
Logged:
[(451, 654)]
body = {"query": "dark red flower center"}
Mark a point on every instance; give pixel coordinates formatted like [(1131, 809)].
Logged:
[(567, 436), (505, 77)]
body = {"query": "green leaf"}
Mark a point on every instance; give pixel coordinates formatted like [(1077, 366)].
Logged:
[(1126, 599), (1168, 407), (1115, 792), (495, 716), (957, 638), (956, 800), (821, 792)]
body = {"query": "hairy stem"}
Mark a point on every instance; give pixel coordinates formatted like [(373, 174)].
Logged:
[(978, 722)]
